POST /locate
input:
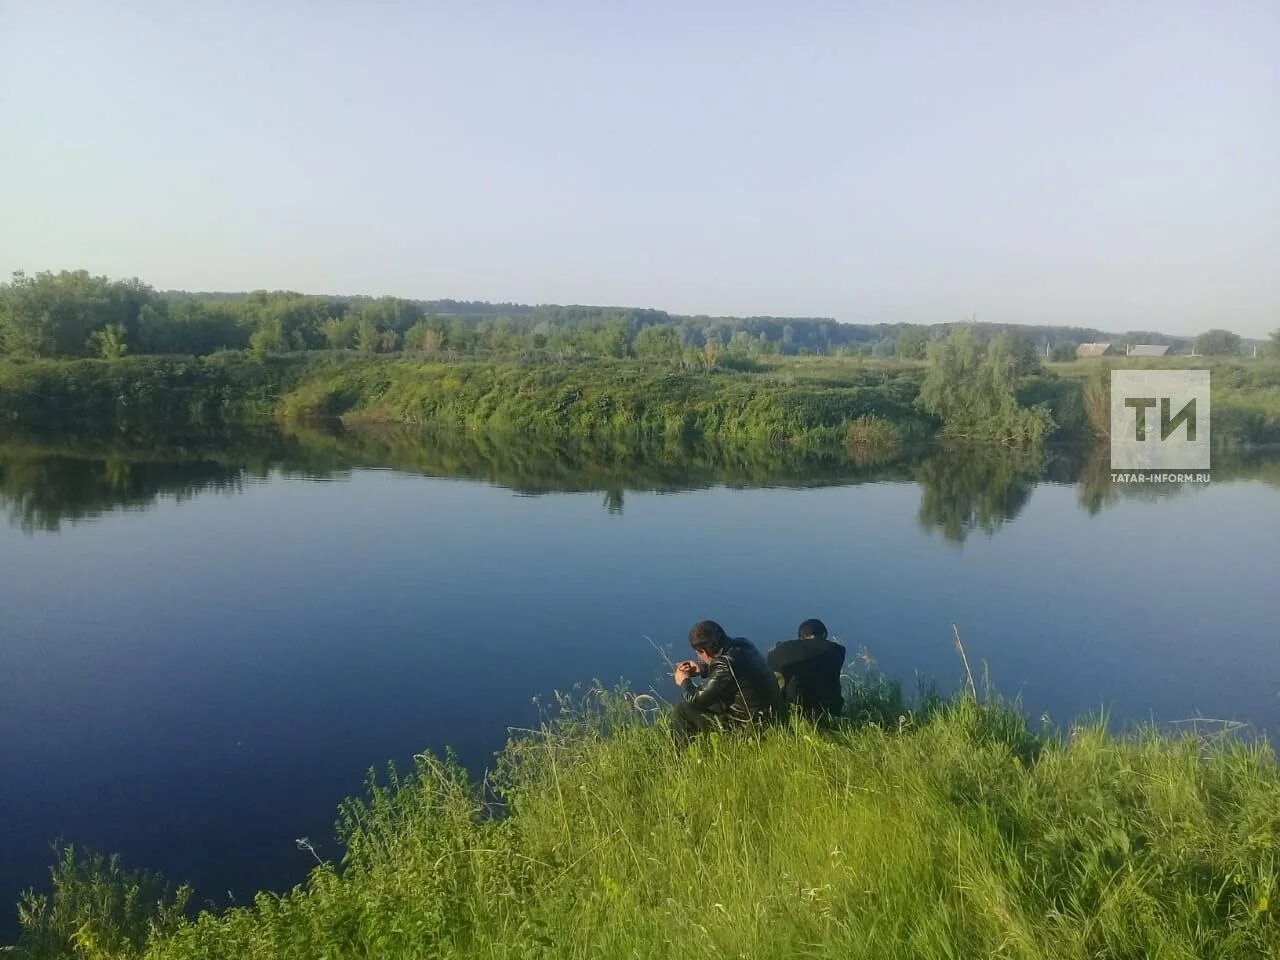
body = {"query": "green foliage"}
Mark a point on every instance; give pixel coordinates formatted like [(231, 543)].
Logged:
[(912, 343), (141, 392), (192, 327), (1246, 395), (1023, 354), (53, 315), (1063, 353), (970, 386), (1246, 403), (870, 432), (109, 343), (1218, 343), (1063, 397), (740, 396), (97, 910), (592, 399), (659, 342), (948, 829), (63, 314)]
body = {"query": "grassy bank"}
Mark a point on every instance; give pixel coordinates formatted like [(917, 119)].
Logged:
[(1246, 393), (798, 400), (603, 397), (587, 399), (142, 393), (953, 831)]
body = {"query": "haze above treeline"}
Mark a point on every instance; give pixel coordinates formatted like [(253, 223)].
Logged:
[(1103, 166)]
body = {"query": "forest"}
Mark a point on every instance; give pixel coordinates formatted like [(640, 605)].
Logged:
[(76, 314), (89, 353)]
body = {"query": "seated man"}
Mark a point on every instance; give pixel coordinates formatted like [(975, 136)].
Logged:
[(810, 668), (739, 690)]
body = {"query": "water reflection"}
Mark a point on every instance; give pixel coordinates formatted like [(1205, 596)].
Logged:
[(46, 482), (977, 488)]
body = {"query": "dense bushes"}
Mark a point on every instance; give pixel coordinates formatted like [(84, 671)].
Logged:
[(141, 392), (598, 398), (973, 391), (1245, 407)]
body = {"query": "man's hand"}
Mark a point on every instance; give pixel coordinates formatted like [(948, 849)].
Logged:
[(684, 671)]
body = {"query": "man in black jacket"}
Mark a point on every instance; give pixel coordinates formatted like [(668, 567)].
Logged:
[(739, 690), (810, 668)]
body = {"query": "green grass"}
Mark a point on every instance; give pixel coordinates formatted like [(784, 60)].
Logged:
[(793, 399), (1246, 392), (602, 397), (949, 831)]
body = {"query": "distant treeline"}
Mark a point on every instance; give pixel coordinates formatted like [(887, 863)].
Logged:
[(75, 314)]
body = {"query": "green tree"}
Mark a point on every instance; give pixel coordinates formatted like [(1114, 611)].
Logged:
[(269, 338), (970, 387), (1275, 343), (191, 327), (612, 339), (425, 336), (1021, 350), (1218, 343), (912, 343), (108, 342), (340, 332), (659, 342), (56, 314), (461, 337), (1063, 352), (366, 335)]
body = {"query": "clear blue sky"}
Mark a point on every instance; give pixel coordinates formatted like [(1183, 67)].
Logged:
[(1104, 164)]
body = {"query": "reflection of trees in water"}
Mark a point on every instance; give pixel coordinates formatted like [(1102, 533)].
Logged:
[(47, 481), (1096, 490), (963, 489), (41, 492)]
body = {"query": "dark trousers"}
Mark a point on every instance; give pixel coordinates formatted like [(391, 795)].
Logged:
[(687, 723)]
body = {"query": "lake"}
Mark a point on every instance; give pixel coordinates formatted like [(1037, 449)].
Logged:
[(206, 642)]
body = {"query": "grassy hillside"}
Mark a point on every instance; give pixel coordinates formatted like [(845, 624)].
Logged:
[(809, 399), (953, 831), (603, 397)]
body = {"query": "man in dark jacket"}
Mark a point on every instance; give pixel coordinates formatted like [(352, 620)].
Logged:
[(738, 689), (810, 668)]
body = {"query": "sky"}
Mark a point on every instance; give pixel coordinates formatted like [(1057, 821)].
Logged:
[(1099, 164)]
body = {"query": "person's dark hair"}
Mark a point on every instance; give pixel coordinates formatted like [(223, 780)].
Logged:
[(708, 635), (812, 630)]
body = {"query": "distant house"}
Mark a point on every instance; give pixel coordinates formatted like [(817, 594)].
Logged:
[(1148, 350), (1086, 350)]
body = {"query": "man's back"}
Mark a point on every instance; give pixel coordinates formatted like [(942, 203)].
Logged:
[(810, 670), (739, 685)]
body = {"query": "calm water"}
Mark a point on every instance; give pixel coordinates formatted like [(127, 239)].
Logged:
[(203, 649)]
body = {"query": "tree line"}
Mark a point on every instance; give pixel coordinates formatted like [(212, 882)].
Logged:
[(76, 314)]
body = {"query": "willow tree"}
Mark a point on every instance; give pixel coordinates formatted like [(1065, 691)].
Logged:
[(970, 387)]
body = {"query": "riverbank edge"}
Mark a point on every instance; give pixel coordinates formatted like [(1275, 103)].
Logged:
[(950, 827), (823, 401)]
